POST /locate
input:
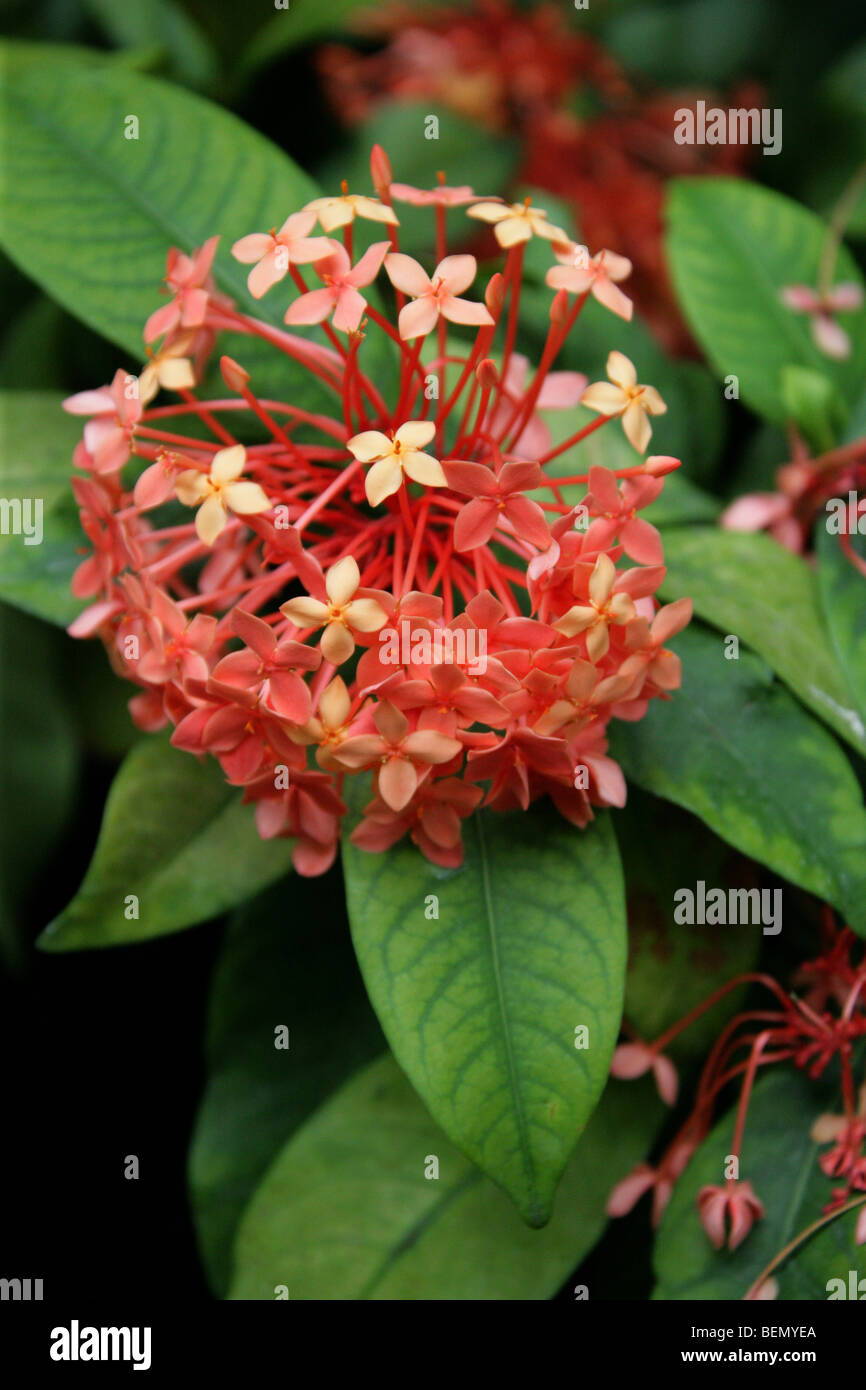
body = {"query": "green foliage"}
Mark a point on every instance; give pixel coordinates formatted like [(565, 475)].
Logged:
[(346, 1211), (737, 750), (175, 837), (480, 1003), (733, 247), (780, 1160)]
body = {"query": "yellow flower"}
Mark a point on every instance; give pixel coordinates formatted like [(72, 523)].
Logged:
[(604, 607), (516, 222), (169, 368), (623, 395), (341, 614), (339, 212), (219, 492), (392, 458), (329, 728)]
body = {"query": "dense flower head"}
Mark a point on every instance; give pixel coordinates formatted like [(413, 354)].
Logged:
[(398, 582)]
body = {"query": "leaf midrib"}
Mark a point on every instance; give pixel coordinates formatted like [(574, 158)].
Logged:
[(514, 1086)]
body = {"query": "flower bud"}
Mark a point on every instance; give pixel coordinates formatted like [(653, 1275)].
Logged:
[(380, 172), (233, 374)]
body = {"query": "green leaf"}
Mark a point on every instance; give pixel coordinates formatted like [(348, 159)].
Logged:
[(738, 751), (813, 403), (176, 837), (732, 247), (781, 1162), (95, 213), (287, 961), (163, 24), (36, 444), (346, 1211), (480, 1004), (842, 588), (673, 967), (751, 587)]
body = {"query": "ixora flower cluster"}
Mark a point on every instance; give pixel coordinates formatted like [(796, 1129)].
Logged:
[(398, 586)]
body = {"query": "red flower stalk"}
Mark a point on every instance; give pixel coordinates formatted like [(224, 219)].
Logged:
[(800, 1030), (397, 585)]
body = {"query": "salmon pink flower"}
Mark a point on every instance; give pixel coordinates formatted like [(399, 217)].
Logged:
[(728, 1213), (220, 491), (116, 410), (396, 458), (498, 639), (828, 336), (398, 752), (635, 1059), (266, 670), (342, 296), (190, 280), (432, 819), (271, 253), (514, 223), (439, 296), (623, 396), (496, 497), (341, 211), (435, 197), (342, 616), (600, 275)]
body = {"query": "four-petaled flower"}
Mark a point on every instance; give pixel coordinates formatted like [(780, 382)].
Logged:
[(341, 294), (622, 395), (115, 410), (266, 670), (517, 222), (271, 253), (342, 616), (634, 1059), (341, 211), (395, 457), (599, 274), (496, 496), (435, 296), (604, 608), (398, 753), (219, 492), (189, 278)]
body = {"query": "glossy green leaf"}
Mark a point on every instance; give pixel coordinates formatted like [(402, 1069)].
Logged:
[(36, 444), (346, 1211), (732, 247), (737, 750), (842, 588), (480, 1004), (287, 962), (672, 966), (781, 1162), (95, 213), (175, 837), (750, 587)]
